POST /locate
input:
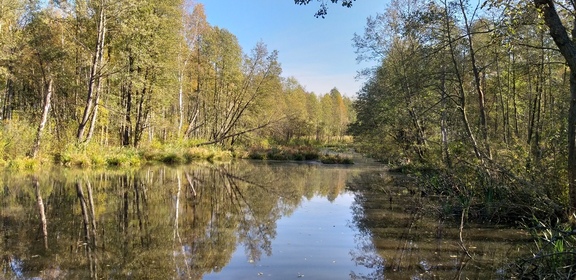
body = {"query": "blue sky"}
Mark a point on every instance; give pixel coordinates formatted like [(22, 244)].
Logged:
[(318, 52)]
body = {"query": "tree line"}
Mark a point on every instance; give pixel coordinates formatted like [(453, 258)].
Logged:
[(137, 72), (481, 89)]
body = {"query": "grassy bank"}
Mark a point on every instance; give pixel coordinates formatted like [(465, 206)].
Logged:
[(489, 195), (95, 156), (80, 156), (298, 153)]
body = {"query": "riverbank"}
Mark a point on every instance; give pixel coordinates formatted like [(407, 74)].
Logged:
[(94, 156), (469, 194)]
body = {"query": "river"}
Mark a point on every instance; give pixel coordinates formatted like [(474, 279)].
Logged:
[(243, 220)]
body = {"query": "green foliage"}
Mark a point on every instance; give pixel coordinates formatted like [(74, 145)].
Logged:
[(554, 256), (298, 153), (501, 199), (477, 126), (183, 154), (124, 158), (23, 164), (88, 156), (16, 137), (146, 73), (335, 159)]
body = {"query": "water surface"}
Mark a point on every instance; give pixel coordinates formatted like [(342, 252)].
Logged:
[(246, 220)]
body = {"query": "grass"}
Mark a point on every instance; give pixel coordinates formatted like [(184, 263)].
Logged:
[(85, 156), (297, 153), (96, 156), (336, 159)]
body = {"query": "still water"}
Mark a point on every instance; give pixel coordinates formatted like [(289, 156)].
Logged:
[(245, 220)]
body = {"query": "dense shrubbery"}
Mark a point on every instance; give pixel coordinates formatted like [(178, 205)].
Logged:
[(299, 153), (555, 254), (336, 159), (488, 196)]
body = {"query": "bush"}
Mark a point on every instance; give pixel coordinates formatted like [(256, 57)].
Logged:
[(555, 255), (336, 159), (298, 153), (24, 163), (16, 138), (490, 196), (172, 158), (123, 157)]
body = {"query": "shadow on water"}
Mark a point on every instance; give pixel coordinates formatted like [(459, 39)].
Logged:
[(188, 222), (401, 234)]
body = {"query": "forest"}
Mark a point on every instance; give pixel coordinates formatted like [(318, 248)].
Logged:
[(82, 79), (477, 88), (477, 98)]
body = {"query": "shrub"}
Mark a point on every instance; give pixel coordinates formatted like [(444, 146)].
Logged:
[(25, 163), (172, 158), (555, 256), (336, 159), (298, 153)]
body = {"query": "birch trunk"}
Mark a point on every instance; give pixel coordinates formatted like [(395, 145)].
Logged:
[(41, 210), (47, 101), (94, 79)]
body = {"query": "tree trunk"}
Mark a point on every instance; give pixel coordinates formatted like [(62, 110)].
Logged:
[(41, 210), (444, 121), (181, 98), (462, 93), (568, 50), (142, 113), (477, 83), (572, 142), (94, 117), (94, 78), (47, 100), (9, 95), (126, 133), (127, 96)]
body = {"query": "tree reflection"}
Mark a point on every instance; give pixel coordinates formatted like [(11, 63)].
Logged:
[(89, 226), (41, 210), (401, 236), (157, 222)]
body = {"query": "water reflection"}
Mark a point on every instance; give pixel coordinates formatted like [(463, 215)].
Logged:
[(401, 236), (195, 222), (153, 223)]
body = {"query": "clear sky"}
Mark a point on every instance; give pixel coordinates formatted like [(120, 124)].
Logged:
[(317, 52)]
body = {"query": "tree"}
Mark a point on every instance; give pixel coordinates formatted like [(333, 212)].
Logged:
[(196, 30), (45, 51), (147, 42), (340, 112), (10, 13), (323, 10), (567, 48), (95, 75)]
